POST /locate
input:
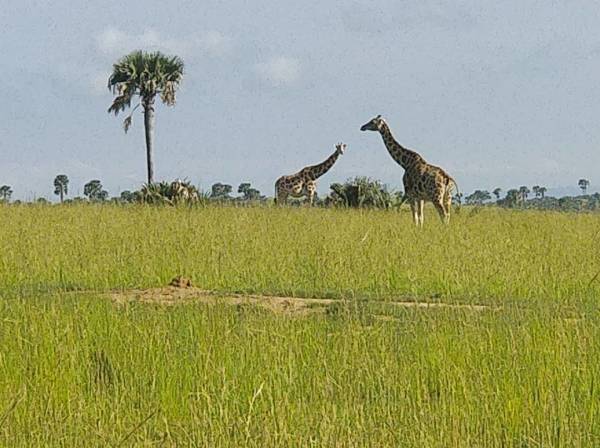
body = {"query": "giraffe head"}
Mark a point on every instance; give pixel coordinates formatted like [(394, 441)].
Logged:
[(340, 148), (373, 125)]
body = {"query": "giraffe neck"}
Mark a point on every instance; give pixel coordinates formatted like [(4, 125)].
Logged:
[(403, 156), (317, 171)]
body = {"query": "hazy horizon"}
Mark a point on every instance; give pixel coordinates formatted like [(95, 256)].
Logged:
[(500, 95)]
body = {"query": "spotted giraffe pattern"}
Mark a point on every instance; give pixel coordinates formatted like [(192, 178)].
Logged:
[(303, 183), (422, 181)]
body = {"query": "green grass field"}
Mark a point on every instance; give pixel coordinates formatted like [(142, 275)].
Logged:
[(77, 369)]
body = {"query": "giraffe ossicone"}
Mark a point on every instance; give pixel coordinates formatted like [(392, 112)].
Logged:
[(304, 182), (422, 181)]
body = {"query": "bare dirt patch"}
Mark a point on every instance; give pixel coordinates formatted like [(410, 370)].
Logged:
[(186, 293), (172, 295)]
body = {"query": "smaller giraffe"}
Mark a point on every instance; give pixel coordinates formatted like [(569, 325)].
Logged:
[(422, 181), (303, 183)]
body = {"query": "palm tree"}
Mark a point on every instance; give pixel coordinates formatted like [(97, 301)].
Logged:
[(5, 193), (524, 191), (542, 191), (583, 184), (144, 75), (497, 192), (513, 197), (536, 190), (61, 184)]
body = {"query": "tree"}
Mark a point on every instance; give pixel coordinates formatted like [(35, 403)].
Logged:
[(5, 193), (478, 197), (524, 191), (536, 190), (144, 75), (221, 191), (513, 198), (61, 184), (583, 184), (249, 193), (94, 192), (457, 198), (497, 192), (542, 191), (127, 196)]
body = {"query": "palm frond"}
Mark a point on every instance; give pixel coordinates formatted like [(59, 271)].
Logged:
[(120, 103), (129, 119), (145, 75), (127, 123)]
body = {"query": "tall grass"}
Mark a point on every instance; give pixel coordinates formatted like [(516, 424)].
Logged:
[(83, 371), (79, 370), (490, 257)]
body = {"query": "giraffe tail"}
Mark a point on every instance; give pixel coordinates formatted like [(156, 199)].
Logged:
[(452, 186)]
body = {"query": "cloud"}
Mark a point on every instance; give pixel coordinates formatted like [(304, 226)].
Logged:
[(114, 42), (279, 71)]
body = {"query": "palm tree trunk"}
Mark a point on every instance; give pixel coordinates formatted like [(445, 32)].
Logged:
[(149, 129), (62, 192)]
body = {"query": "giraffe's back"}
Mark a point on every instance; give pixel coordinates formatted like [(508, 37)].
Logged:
[(293, 184), (427, 182)]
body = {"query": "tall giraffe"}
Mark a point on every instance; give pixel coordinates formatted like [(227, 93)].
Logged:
[(422, 181), (303, 183)]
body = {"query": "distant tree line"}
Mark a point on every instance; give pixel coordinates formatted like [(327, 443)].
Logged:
[(520, 198), (358, 192)]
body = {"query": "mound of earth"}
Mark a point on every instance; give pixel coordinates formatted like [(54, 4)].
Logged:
[(181, 282), (176, 294)]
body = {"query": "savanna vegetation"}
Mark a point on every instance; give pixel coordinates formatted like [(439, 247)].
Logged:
[(77, 367)]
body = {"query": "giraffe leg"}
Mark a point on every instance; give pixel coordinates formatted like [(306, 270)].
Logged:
[(439, 206), (447, 205), (311, 189), (279, 193), (439, 201), (281, 198), (421, 205), (415, 212)]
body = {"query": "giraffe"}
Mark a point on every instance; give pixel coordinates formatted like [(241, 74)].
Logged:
[(422, 181), (303, 183)]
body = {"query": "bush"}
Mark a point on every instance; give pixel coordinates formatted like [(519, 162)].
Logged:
[(174, 193), (363, 191)]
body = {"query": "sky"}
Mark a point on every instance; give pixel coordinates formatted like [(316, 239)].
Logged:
[(500, 94)]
